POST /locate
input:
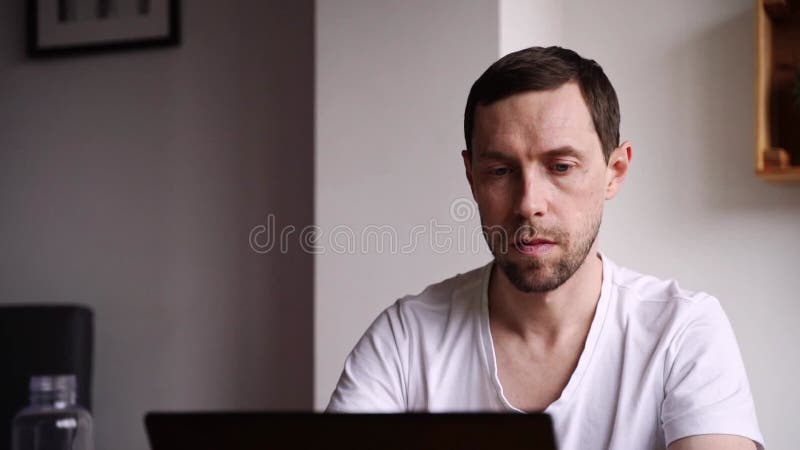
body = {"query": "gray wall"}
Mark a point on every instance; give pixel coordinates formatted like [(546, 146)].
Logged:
[(130, 182)]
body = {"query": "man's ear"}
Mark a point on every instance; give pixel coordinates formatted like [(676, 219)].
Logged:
[(618, 164), (466, 155)]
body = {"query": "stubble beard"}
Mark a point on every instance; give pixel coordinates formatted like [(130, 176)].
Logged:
[(538, 275)]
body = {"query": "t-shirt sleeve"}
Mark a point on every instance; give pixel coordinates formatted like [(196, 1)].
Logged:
[(706, 387), (373, 380)]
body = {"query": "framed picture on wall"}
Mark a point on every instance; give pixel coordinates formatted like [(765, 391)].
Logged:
[(60, 27)]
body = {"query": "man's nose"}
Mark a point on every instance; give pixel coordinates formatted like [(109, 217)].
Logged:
[(532, 195)]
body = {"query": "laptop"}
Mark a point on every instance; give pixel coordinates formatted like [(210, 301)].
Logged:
[(264, 431)]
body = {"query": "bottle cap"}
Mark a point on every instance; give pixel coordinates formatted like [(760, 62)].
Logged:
[(66, 384)]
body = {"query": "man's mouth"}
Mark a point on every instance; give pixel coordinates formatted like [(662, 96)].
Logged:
[(534, 247)]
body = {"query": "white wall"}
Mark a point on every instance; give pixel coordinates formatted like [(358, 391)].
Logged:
[(130, 181), (526, 23), (392, 79), (692, 209)]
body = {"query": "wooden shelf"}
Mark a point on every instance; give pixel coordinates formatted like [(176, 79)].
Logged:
[(790, 174), (777, 120)]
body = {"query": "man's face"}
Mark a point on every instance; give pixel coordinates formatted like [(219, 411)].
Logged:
[(539, 177)]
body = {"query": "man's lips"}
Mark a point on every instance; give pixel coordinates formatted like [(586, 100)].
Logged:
[(534, 247)]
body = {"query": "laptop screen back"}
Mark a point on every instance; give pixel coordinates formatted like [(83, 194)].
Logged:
[(450, 431)]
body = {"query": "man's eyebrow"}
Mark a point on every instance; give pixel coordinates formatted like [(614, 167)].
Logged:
[(566, 150)]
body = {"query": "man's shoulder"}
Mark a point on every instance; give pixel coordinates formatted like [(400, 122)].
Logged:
[(454, 298), (458, 290), (661, 312), (662, 304), (445, 289), (639, 287)]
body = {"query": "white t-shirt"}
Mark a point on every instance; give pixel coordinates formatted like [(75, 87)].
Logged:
[(659, 364)]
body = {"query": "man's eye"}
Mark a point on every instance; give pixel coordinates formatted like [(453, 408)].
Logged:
[(500, 171), (561, 168)]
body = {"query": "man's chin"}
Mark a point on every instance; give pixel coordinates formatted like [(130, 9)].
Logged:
[(536, 284), (531, 274)]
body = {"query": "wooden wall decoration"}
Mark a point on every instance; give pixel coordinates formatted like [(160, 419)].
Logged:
[(777, 86)]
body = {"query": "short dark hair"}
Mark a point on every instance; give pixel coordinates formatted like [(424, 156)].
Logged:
[(542, 69)]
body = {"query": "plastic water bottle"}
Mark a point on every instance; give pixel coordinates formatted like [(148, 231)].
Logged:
[(52, 421)]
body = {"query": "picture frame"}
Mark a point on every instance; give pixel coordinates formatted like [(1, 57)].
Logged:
[(69, 27)]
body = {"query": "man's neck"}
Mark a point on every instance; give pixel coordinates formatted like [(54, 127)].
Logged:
[(548, 316)]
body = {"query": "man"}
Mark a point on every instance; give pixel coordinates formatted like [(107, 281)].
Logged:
[(618, 359)]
